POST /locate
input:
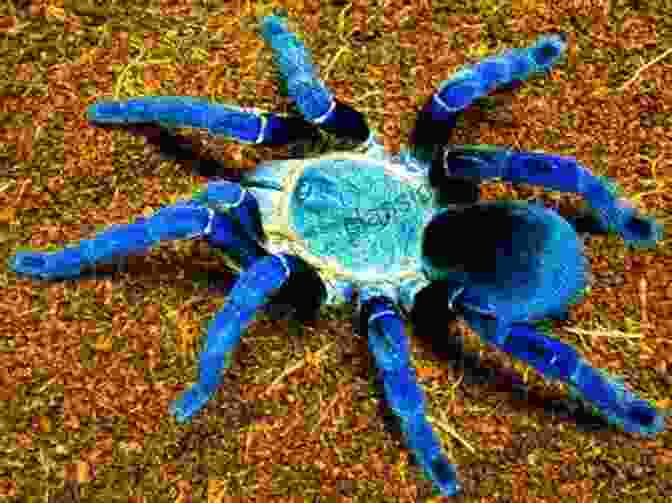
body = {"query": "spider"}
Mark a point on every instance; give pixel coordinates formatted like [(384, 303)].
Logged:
[(402, 236)]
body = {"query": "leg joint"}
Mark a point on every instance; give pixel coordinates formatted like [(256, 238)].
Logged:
[(180, 221), (221, 196)]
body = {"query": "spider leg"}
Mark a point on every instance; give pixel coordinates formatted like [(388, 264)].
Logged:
[(312, 97), (180, 221), (225, 213), (243, 125), (253, 289), (557, 360), (438, 116), (390, 348), (610, 211)]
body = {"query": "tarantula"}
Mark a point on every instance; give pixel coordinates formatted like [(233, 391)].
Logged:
[(386, 229)]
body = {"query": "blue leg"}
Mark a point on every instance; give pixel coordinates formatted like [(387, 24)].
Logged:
[(438, 117), (312, 97), (223, 212), (253, 289), (557, 360), (611, 211), (243, 125), (390, 348), (181, 221)]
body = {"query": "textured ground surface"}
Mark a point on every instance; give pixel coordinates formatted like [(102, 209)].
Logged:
[(87, 368)]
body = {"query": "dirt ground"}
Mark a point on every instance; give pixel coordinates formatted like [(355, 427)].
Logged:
[(89, 367)]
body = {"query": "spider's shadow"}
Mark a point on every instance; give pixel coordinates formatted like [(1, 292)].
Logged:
[(145, 275), (182, 149), (179, 148)]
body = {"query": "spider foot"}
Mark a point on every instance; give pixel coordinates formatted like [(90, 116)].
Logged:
[(616, 214), (445, 476), (66, 263), (636, 230), (189, 403), (425, 446), (641, 232), (610, 399)]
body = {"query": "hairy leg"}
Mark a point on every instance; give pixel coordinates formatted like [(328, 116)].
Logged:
[(390, 348), (557, 360), (180, 221), (254, 288)]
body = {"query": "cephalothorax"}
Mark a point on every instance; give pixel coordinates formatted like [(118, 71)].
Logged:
[(392, 228)]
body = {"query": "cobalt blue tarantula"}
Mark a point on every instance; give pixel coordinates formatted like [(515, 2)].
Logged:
[(385, 229)]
